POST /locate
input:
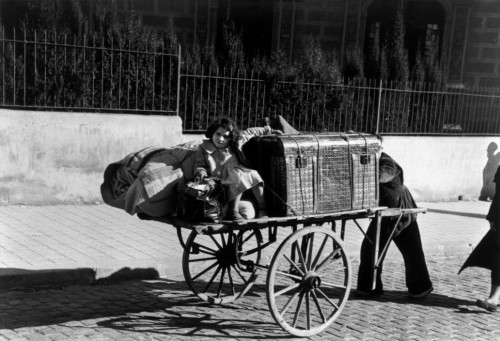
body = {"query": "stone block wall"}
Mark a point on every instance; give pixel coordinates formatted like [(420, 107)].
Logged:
[(482, 67), (323, 20), (190, 18)]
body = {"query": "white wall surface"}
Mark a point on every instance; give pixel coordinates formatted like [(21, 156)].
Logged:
[(54, 157), (441, 168)]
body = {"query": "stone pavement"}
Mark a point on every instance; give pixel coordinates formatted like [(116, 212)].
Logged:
[(43, 248), (43, 245)]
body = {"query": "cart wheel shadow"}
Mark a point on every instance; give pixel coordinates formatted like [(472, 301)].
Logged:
[(188, 316), (154, 307), (195, 324)]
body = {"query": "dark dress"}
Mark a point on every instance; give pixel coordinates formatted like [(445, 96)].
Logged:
[(394, 194), (487, 252)]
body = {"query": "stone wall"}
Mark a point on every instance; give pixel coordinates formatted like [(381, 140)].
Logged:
[(193, 20), (482, 67), (55, 157)]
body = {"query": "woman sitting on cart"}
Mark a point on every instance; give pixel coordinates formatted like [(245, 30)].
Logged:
[(221, 156)]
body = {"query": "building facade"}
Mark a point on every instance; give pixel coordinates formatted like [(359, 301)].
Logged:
[(464, 34)]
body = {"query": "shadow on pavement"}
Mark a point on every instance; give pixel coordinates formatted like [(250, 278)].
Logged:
[(24, 278), (17, 278), (149, 306), (401, 297)]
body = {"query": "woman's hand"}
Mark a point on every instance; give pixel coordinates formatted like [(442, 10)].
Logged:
[(200, 176), (276, 132)]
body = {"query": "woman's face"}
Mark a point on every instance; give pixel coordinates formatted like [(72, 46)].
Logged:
[(221, 137)]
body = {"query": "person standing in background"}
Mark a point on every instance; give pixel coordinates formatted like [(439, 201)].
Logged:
[(488, 190)]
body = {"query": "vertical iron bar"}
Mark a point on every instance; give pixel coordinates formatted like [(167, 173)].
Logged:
[(378, 107), (93, 69), (441, 108), (14, 68), (422, 105), (216, 89), (179, 70), (179, 65), (200, 108), (263, 103), (102, 73), (153, 81), (84, 61), (24, 76), (186, 89), (129, 73), (484, 104), (236, 97), (170, 75), (45, 71), (136, 76), (35, 71), (207, 114), (65, 66), (230, 92), (111, 83), (470, 104), (3, 65), (192, 78), (120, 75), (146, 69), (464, 109), (223, 88)]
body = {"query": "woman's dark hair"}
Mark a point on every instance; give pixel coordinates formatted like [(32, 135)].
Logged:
[(227, 124)]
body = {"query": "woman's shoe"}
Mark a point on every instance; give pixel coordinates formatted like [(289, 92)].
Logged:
[(262, 214), (235, 216), (421, 295), (485, 305)]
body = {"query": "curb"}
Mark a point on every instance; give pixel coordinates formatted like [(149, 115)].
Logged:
[(11, 279)]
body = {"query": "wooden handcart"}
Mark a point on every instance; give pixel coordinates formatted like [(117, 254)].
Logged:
[(308, 278)]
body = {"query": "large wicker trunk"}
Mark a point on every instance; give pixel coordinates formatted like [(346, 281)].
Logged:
[(309, 174)]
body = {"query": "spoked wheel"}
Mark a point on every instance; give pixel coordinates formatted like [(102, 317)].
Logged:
[(219, 268), (309, 281)]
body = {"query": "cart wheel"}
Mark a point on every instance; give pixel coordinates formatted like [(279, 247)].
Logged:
[(219, 268), (309, 281)]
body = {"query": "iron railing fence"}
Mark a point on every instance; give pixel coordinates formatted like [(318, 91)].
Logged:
[(359, 105), (52, 71), (206, 94), (58, 72)]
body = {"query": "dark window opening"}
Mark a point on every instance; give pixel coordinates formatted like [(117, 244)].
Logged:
[(424, 22), (253, 19)]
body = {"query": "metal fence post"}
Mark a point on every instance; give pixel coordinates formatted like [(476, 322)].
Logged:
[(378, 107), (177, 109)]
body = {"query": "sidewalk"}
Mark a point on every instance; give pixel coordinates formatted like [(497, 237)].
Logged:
[(56, 245)]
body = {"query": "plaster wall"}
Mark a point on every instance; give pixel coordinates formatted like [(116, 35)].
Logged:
[(441, 168), (55, 157), (59, 158)]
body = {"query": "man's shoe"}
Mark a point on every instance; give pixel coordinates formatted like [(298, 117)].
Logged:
[(485, 305), (369, 293), (421, 295)]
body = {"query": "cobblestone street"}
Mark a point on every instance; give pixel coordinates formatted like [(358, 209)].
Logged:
[(166, 309)]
